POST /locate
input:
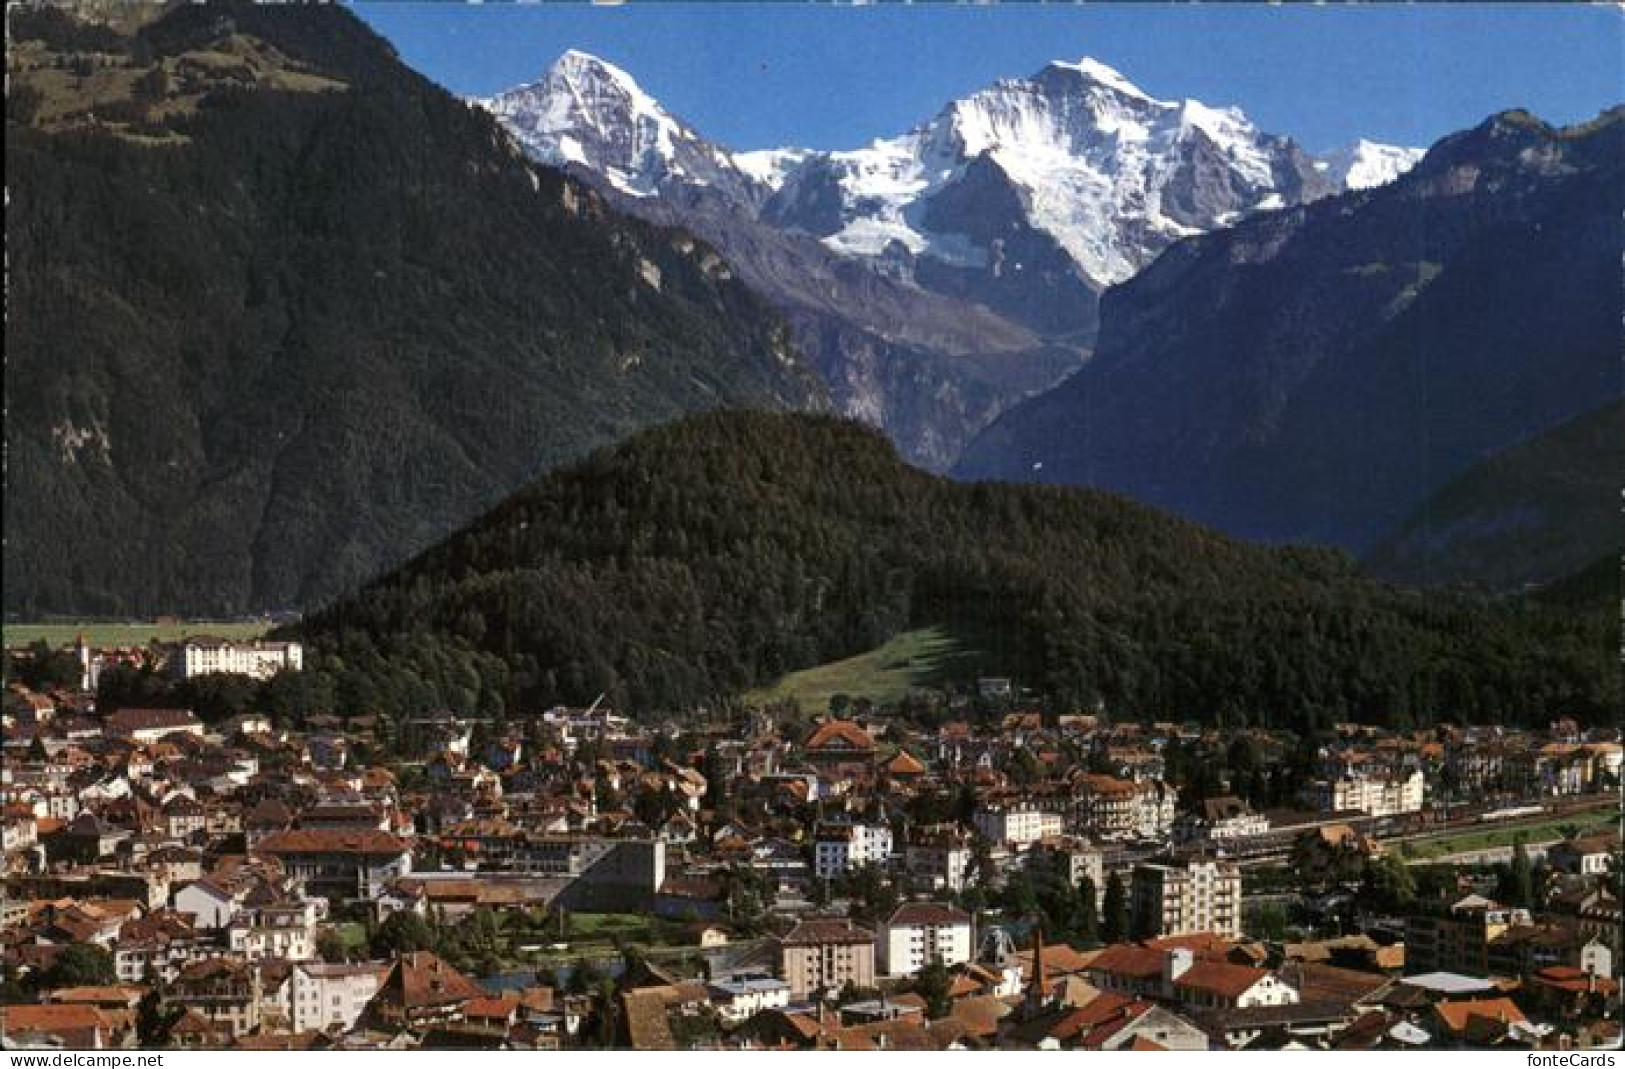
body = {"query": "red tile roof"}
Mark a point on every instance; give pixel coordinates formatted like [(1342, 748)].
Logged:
[(1457, 1015), (905, 764), (491, 1008), (839, 735), (821, 931), (53, 1019), (422, 979), (370, 842), (1129, 960), (1220, 978), (126, 721)]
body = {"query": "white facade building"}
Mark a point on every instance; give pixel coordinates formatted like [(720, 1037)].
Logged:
[(202, 656), (1177, 898), (1078, 858), (1378, 797), (920, 931), (1017, 826), (285, 931), (324, 995), (743, 997), (1209, 985), (840, 847), (210, 904)]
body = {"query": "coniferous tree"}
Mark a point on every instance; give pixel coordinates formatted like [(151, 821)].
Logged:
[(1521, 881), (1115, 925), (1088, 914), (934, 984), (154, 1017)]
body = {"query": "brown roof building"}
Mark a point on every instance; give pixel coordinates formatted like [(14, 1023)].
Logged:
[(422, 992), (839, 742), (150, 725), (340, 864), (826, 954), (75, 1025)]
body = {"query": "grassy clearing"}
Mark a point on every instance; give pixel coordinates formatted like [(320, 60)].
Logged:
[(1490, 837), (600, 936), (97, 90), (883, 675), (127, 634), (604, 927)]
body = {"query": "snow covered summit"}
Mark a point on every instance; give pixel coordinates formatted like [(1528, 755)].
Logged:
[(1076, 157)]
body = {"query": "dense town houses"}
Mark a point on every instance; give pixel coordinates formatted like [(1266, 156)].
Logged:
[(986, 877)]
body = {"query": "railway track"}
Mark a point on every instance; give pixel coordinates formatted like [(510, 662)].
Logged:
[(1277, 847)]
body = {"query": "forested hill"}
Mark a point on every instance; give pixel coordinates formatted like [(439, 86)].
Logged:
[(1541, 509), (695, 560), (282, 313)]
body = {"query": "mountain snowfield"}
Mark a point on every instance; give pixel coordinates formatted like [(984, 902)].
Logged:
[(588, 112), (1365, 164), (1076, 153)]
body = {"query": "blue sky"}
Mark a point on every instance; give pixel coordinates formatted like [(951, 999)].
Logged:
[(826, 76)]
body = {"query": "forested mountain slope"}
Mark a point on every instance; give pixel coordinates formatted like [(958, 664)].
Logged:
[(282, 312)]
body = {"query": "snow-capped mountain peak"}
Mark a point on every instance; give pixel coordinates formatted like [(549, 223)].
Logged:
[(1095, 71), (772, 166), (1082, 155), (587, 111), (582, 68), (1077, 155), (1366, 163)]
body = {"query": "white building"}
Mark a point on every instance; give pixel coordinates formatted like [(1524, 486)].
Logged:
[(211, 904), (1017, 825), (202, 656), (324, 995), (18, 833), (840, 847), (1219, 820), (1378, 797), (920, 931), (1222, 985), (1175, 898), (1111, 808), (743, 997), (283, 930)]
